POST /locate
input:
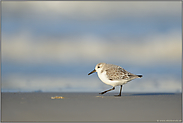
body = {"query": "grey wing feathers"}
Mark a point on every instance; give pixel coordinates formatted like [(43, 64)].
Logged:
[(116, 73)]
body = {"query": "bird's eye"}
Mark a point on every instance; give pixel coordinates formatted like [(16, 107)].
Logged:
[(98, 66)]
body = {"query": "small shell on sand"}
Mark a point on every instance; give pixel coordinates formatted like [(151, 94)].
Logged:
[(57, 97)]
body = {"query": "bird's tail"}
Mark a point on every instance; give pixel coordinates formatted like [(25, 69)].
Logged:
[(140, 76)]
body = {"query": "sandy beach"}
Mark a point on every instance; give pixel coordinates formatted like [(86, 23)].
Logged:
[(83, 107)]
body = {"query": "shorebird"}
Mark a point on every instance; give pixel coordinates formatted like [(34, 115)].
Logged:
[(113, 75)]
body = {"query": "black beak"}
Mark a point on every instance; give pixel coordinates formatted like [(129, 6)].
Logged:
[(92, 72)]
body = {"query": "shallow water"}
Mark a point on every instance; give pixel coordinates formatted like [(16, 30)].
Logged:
[(91, 107)]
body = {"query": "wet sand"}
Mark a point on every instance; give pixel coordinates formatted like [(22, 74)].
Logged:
[(83, 107)]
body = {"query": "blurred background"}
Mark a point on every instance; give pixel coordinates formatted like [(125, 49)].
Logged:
[(52, 46)]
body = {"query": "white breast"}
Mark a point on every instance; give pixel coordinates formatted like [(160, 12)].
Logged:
[(103, 77)]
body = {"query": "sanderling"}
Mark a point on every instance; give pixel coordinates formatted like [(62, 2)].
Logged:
[(113, 75)]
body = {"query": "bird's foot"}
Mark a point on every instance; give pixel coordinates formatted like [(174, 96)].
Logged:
[(102, 92), (117, 95)]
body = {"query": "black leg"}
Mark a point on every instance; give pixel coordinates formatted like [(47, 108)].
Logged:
[(120, 91), (107, 91)]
